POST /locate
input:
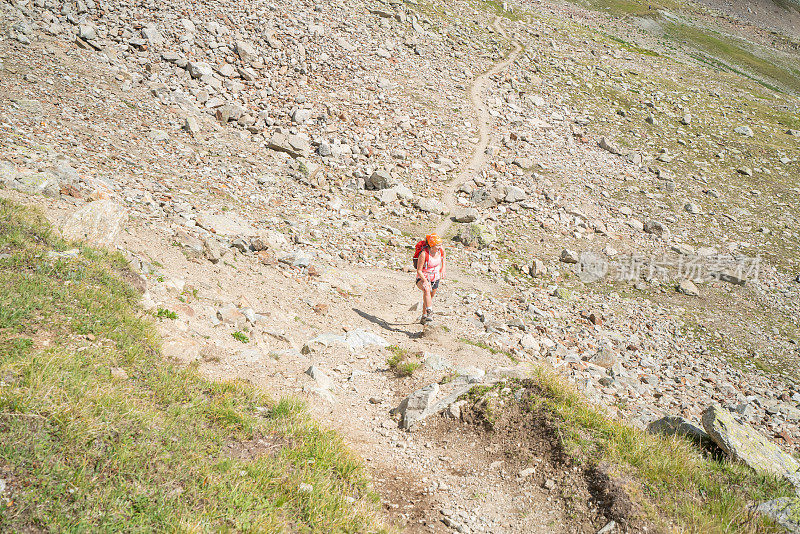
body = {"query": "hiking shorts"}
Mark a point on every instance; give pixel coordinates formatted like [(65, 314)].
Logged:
[(434, 285)]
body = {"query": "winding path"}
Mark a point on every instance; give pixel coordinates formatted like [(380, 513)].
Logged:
[(478, 158)]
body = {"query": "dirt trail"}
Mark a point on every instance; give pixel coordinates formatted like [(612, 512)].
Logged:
[(478, 158)]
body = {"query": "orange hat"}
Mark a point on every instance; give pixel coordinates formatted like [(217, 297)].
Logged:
[(433, 240)]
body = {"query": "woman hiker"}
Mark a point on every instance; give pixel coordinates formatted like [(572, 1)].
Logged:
[(430, 270)]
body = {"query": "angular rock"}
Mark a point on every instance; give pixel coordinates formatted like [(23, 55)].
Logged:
[(246, 51), (198, 69), (609, 146), (465, 215), (569, 256), (744, 130), (657, 228), (745, 444), (322, 379), (687, 287), (98, 223), (414, 407), (515, 194), (294, 145), (674, 425), (785, 511), (380, 179), (40, 183)]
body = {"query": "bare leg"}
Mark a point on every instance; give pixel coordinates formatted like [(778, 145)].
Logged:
[(427, 297)]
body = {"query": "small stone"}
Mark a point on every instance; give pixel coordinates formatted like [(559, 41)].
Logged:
[(744, 130), (692, 208), (119, 373), (569, 256), (465, 215), (687, 287)]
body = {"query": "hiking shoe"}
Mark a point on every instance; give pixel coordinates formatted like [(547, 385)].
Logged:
[(424, 319)]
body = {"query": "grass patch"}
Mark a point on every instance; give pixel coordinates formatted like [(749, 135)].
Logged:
[(400, 361), (158, 448), (240, 336), (680, 486), (485, 346), (163, 313), (726, 51)]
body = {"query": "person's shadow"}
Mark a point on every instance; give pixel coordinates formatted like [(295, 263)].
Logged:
[(386, 325)]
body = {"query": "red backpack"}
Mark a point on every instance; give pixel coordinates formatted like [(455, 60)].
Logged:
[(422, 245)]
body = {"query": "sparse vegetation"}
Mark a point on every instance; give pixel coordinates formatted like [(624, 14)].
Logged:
[(680, 486), (400, 362), (163, 313), (81, 451), (240, 336)]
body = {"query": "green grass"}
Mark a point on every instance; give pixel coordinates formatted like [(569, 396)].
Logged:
[(400, 361), (163, 313), (730, 55), (680, 487), (484, 346), (82, 451), (240, 336)]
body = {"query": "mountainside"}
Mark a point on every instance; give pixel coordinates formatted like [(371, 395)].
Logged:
[(616, 184)]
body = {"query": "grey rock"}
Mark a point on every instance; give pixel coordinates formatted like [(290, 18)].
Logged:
[(152, 35), (87, 32), (569, 256), (246, 51), (192, 125), (745, 444), (430, 205), (692, 208), (98, 223), (515, 194), (657, 228), (476, 235), (414, 407), (687, 287), (673, 425), (301, 115), (785, 511), (744, 130), (465, 215), (322, 379), (380, 179), (294, 145), (41, 183), (198, 69), (609, 146), (212, 250)]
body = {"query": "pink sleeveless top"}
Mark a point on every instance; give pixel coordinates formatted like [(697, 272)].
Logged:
[(433, 267)]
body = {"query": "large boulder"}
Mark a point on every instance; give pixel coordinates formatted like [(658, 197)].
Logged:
[(746, 445), (476, 235), (40, 183), (671, 425), (784, 511), (98, 223)]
